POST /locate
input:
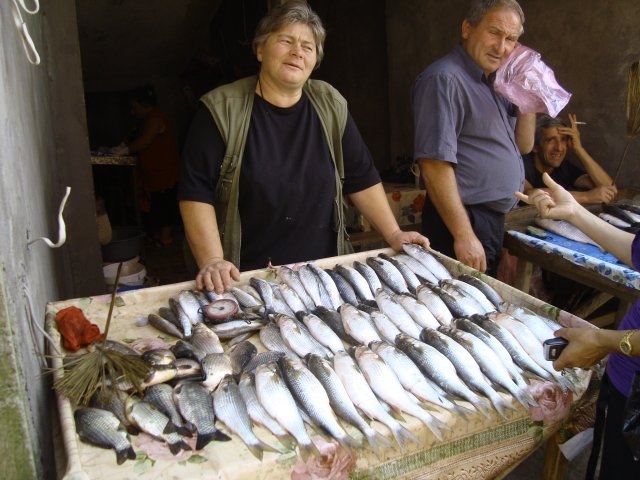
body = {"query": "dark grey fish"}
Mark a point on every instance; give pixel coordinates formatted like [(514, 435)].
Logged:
[(265, 291), (181, 315), (334, 320), (204, 341), (118, 347), (161, 397), (159, 356), (347, 292), (113, 400), (196, 406), (215, 366), (489, 292), (164, 325), (369, 275), (245, 299), (188, 368), (182, 349), (239, 339), (389, 274), (314, 287), (357, 281), (263, 358), (329, 285), (241, 355), (101, 428), (292, 279), (457, 309), (411, 278)]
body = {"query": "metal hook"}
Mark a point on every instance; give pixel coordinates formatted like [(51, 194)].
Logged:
[(27, 42)]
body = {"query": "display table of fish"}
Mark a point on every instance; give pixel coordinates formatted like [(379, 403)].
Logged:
[(410, 362)]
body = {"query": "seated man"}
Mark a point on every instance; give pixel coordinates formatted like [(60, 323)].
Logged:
[(552, 140)]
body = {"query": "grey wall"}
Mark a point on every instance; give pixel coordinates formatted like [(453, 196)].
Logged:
[(589, 44), (44, 149)]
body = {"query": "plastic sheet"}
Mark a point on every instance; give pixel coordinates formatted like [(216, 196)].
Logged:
[(530, 84)]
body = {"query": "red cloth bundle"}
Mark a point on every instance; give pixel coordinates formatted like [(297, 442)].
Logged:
[(75, 329)]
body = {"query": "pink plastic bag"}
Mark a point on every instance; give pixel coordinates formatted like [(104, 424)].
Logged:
[(525, 80)]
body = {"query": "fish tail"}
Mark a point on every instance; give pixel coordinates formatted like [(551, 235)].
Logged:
[(178, 446), (500, 405), (287, 441), (484, 407), (434, 425), (403, 435), (525, 394), (377, 441), (204, 439), (308, 449), (170, 428), (185, 431), (256, 450), (124, 454)]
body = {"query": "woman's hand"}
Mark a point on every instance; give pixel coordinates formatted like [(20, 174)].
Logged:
[(584, 349), (217, 275)]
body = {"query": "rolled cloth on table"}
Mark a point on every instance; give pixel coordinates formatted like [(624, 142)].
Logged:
[(526, 81), (75, 329)]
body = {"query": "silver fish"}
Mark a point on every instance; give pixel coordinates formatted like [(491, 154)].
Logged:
[(388, 330), (347, 293), (190, 305), (265, 291), (518, 354), (363, 397), (314, 287), (334, 321), (277, 400), (435, 304), (386, 385), (292, 279), (565, 229), (233, 328), (171, 317), (389, 274), (341, 403), (358, 324), (164, 325), (427, 259), (272, 339), (245, 299), (196, 406), (489, 363), (204, 341), (161, 397), (258, 414), (357, 281), (418, 311), (159, 357), (416, 267), (232, 411), (322, 332), (152, 421), (298, 338), (397, 314), (215, 366), (465, 301), (474, 292), (542, 327), (466, 366), (310, 393), (328, 284), (102, 428), (494, 344), (369, 275), (292, 299), (410, 375), (113, 400), (188, 368), (441, 370)]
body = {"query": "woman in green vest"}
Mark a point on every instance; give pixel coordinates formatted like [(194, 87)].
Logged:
[(269, 160)]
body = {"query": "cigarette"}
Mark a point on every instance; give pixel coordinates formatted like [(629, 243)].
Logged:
[(581, 123)]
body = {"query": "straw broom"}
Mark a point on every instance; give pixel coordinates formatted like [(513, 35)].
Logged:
[(633, 112), (88, 373)]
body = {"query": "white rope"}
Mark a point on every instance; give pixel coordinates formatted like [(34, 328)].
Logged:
[(33, 322), (27, 41), (62, 232)]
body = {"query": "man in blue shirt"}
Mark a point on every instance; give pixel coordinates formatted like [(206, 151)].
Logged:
[(469, 139), (553, 139)]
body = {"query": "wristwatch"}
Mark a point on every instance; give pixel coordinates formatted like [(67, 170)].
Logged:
[(625, 342)]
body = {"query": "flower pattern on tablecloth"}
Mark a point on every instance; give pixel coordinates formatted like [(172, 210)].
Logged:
[(603, 263)]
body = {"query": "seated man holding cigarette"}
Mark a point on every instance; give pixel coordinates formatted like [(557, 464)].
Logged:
[(553, 138)]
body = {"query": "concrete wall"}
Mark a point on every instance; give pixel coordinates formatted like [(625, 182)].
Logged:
[(44, 149), (589, 44)]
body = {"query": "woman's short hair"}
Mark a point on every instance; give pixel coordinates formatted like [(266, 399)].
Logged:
[(293, 11)]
